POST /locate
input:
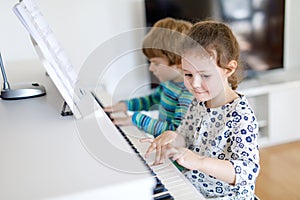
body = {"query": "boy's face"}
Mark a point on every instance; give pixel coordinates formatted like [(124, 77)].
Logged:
[(160, 67), (203, 77)]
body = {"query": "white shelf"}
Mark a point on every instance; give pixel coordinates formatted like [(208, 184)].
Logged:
[(274, 98), (262, 123)]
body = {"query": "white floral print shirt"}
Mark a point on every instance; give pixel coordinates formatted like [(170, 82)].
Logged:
[(228, 133)]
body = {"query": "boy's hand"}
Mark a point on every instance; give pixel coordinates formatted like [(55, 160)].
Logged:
[(118, 107), (122, 121)]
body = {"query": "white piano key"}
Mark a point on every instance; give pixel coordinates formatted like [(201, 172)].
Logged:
[(174, 181)]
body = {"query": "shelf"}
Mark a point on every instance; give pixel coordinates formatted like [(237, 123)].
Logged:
[(274, 99), (262, 123)]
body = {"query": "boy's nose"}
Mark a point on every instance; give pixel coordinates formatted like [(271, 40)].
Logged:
[(151, 67)]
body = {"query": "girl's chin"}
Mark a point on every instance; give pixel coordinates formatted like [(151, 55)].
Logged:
[(201, 97)]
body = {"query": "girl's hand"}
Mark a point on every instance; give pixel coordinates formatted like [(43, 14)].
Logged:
[(118, 107), (188, 159), (163, 146)]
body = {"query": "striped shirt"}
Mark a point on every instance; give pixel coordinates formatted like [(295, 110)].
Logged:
[(170, 98)]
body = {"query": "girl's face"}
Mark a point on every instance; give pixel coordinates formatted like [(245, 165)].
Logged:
[(160, 67), (204, 78)]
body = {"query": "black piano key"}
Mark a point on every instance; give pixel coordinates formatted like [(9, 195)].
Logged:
[(159, 188), (165, 196), (157, 180), (108, 115), (152, 172)]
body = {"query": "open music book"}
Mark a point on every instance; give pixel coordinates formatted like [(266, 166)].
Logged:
[(54, 59)]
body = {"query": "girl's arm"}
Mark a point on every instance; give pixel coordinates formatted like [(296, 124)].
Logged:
[(172, 145), (159, 144), (220, 169)]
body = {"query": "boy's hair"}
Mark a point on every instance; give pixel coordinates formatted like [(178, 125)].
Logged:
[(218, 37), (165, 38)]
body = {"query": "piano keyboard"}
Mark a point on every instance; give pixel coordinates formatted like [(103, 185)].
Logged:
[(170, 182)]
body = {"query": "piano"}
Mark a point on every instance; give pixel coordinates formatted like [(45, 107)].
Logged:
[(126, 172), (170, 183)]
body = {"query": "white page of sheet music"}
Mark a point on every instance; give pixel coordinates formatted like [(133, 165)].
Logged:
[(56, 63)]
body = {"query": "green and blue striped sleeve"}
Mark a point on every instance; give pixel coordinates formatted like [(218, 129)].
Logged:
[(145, 103), (155, 126)]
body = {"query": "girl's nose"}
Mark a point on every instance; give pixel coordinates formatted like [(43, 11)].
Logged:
[(197, 81)]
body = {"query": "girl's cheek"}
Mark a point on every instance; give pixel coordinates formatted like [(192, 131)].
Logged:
[(188, 85)]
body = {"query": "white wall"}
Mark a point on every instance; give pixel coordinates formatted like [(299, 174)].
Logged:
[(79, 25), (292, 32), (82, 26)]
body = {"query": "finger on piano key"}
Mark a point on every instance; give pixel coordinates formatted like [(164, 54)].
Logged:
[(176, 185), (146, 140)]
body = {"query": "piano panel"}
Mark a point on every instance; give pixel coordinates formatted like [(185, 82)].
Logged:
[(175, 185)]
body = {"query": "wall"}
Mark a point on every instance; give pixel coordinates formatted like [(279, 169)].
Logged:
[(82, 26), (292, 31)]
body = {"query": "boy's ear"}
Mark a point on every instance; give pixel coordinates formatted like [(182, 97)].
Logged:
[(179, 66), (231, 67)]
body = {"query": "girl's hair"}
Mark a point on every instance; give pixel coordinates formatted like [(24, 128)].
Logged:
[(218, 37), (165, 38)]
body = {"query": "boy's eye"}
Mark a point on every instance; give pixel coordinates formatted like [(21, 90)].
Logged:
[(154, 64), (188, 75)]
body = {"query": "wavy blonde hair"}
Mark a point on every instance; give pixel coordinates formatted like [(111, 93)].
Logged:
[(165, 39)]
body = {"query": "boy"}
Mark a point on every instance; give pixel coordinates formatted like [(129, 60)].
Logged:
[(161, 46)]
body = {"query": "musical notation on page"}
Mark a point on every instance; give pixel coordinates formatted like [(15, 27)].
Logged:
[(52, 55)]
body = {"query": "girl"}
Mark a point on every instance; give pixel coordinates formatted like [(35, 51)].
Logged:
[(217, 140)]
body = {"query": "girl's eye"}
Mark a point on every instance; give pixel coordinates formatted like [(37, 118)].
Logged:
[(205, 76)]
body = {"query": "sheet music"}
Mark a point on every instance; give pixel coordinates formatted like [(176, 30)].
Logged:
[(57, 64)]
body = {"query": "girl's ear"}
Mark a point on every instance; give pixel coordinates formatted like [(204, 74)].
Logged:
[(231, 67)]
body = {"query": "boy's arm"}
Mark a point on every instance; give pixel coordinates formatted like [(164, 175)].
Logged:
[(154, 126), (146, 102), (150, 125), (184, 100)]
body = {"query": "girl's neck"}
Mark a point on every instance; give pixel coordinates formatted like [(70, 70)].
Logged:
[(228, 96)]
